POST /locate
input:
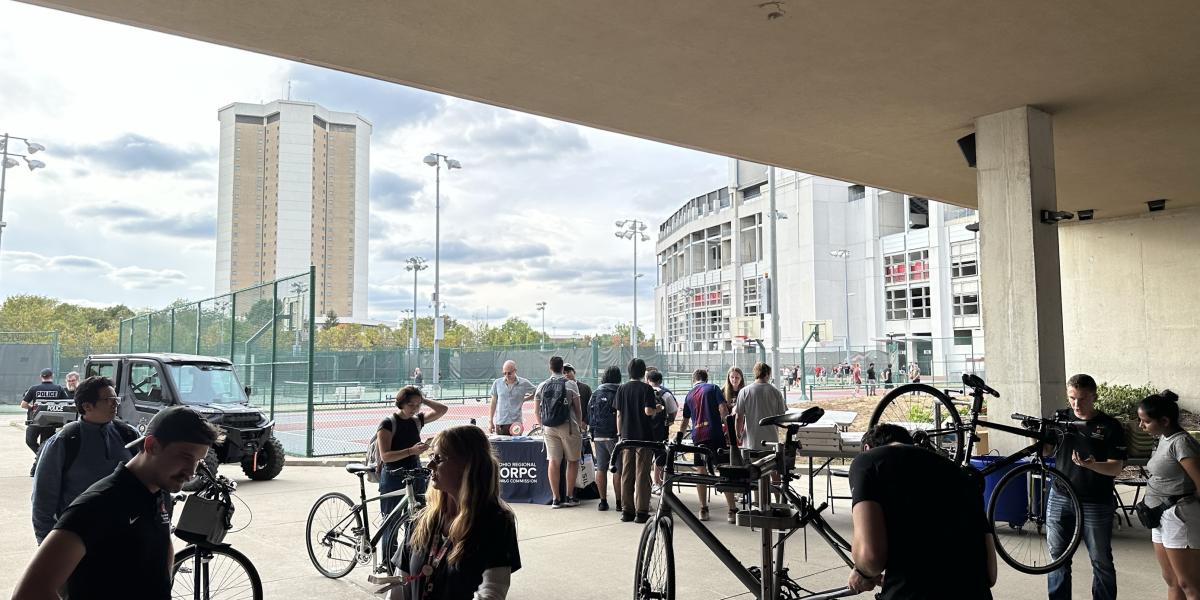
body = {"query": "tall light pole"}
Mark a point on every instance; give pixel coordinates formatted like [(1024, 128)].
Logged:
[(415, 264), (435, 160), (845, 256), (541, 306), (631, 229), (7, 161)]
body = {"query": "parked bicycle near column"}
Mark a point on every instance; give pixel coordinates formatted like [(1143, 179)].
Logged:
[(1027, 534)]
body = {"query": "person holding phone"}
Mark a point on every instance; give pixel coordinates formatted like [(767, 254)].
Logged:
[(1091, 460)]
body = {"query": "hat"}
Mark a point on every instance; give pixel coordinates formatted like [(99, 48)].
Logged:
[(47, 372), (568, 367), (177, 424)]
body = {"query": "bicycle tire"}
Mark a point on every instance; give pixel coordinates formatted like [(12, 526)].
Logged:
[(400, 522), (654, 574), (223, 566), (340, 513), (1012, 539), (900, 406)]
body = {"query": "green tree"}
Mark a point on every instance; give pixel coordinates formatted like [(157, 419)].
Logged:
[(331, 319)]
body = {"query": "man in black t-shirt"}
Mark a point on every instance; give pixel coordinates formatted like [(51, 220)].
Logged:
[(123, 520), (1091, 461), (36, 435), (636, 403), (895, 486), (585, 392)]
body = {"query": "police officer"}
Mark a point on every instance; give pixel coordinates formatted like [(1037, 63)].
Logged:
[(36, 435)]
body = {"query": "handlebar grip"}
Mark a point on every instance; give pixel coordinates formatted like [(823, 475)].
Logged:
[(1021, 417)]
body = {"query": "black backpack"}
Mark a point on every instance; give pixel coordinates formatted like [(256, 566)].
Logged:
[(602, 412), (70, 435), (555, 405)]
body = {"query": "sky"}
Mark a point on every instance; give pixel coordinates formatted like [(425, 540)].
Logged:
[(125, 210)]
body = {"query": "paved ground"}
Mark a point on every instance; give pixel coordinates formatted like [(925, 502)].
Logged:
[(576, 553)]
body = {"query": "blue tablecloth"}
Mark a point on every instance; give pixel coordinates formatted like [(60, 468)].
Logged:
[(523, 475)]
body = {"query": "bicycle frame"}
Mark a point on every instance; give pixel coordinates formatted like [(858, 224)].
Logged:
[(404, 508), (761, 469)]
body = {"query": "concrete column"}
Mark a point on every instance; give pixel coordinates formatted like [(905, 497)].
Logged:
[(1021, 285)]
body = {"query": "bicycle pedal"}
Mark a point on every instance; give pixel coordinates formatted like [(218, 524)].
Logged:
[(375, 579)]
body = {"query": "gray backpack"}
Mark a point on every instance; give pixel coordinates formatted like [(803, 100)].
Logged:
[(372, 458)]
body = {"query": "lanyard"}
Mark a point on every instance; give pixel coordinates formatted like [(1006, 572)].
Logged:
[(434, 559)]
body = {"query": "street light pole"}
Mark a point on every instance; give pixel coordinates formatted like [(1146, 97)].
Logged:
[(541, 306), (845, 256), (631, 229), (435, 160), (7, 162), (415, 264)]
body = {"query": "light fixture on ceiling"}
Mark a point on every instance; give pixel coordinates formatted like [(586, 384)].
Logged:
[(1157, 205), (1087, 214), (1052, 217)]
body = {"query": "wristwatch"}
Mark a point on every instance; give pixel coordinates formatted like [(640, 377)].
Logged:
[(863, 574)]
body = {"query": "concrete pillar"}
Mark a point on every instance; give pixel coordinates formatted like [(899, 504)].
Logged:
[(1019, 267)]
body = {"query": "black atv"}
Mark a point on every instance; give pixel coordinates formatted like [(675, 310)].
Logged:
[(148, 383)]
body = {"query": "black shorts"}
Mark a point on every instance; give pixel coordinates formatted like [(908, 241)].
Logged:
[(719, 449)]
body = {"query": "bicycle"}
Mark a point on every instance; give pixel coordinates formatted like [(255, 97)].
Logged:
[(207, 568), (654, 571), (338, 532), (1021, 535)]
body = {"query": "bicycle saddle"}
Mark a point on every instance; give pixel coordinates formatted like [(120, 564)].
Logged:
[(357, 468), (974, 381), (810, 415)]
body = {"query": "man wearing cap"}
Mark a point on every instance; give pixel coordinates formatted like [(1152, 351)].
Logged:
[(36, 436), (81, 454), (124, 519)]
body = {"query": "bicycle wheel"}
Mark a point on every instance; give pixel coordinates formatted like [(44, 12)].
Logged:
[(1022, 532), (654, 575), (399, 522), (225, 574), (333, 535), (915, 406)]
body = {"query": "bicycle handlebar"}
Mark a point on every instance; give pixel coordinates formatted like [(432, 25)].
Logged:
[(418, 473), (974, 381)]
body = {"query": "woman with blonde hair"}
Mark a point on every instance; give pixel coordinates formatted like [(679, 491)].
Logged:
[(463, 545)]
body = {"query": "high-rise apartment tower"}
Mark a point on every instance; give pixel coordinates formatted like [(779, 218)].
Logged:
[(293, 191)]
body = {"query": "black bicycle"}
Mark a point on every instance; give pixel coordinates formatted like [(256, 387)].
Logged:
[(654, 571), (208, 568), (338, 533), (1019, 506)]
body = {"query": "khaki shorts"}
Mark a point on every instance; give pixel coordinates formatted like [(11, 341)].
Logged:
[(563, 441)]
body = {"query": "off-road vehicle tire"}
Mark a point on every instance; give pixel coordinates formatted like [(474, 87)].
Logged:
[(270, 461)]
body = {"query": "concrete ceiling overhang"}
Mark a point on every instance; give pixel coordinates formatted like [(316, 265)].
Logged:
[(872, 92)]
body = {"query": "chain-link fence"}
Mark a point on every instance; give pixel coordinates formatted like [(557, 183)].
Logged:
[(266, 331), (23, 354)]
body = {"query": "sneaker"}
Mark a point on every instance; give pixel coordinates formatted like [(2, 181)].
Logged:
[(641, 517), (703, 513), (626, 517), (556, 503), (570, 501), (603, 506), (732, 515), (619, 505)]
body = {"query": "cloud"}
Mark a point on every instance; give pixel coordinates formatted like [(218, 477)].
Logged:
[(468, 252), (201, 226), (128, 277), (390, 191), (387, 106), (489, 277), (491, 135), (135, 153)]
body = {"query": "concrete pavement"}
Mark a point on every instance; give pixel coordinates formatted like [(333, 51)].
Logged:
[(576, 553)]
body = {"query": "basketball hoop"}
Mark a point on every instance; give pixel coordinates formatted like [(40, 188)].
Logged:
[(741, 340)]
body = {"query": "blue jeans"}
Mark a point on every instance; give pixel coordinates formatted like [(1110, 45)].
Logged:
[(1097, 535), (391, 483)]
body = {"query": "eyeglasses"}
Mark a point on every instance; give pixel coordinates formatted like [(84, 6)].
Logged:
[(116, 399)]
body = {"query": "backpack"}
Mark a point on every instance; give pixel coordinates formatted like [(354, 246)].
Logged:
[(70, 435), (372, 458), (602, 412), (555, 406)]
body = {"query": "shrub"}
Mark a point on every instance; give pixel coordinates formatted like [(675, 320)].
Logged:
[(1121, 401)]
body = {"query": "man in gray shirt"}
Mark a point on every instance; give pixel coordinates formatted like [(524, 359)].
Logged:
[(80, 454), (755, 402), (509, 394)]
